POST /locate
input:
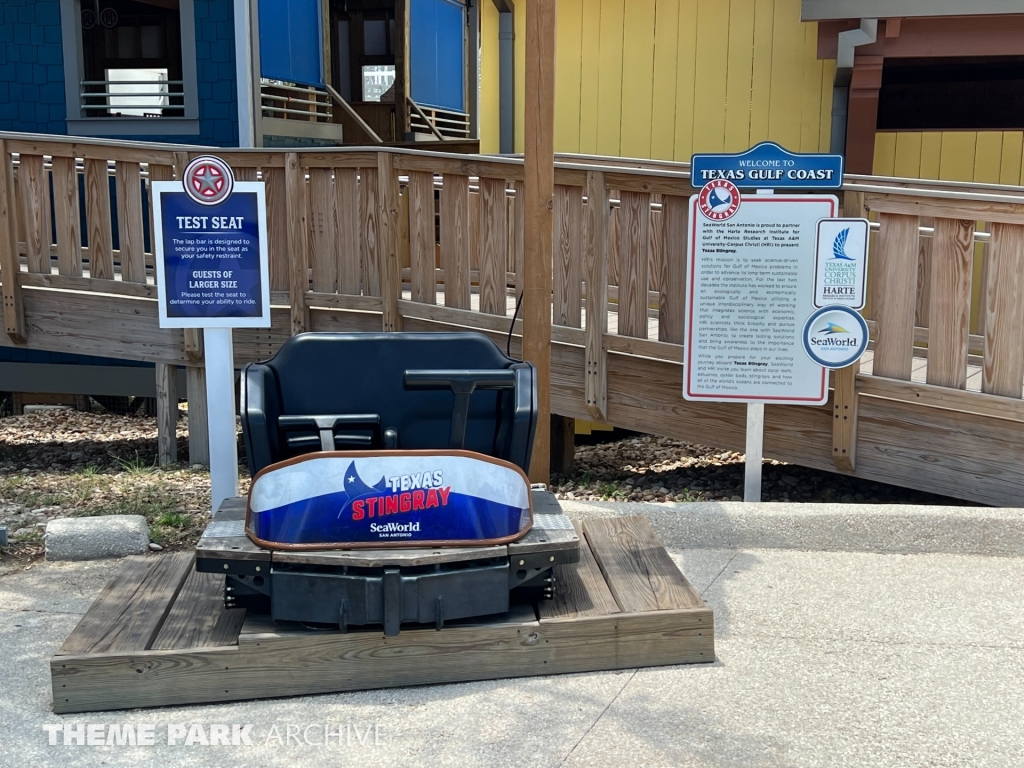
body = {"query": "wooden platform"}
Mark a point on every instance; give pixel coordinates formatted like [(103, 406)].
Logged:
[(158, 634)]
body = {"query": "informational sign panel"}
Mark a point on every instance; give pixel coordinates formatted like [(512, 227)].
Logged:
[(769, 166), (750, 285), (841, 263), (211, 257)]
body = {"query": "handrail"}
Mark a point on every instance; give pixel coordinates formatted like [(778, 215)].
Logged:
[(354, 115), (611, 165), (427, 120), (360, 259)]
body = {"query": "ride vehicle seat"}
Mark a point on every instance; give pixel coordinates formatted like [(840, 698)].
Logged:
[(388, 391)]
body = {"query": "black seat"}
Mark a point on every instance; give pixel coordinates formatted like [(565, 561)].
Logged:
[(381, 391)]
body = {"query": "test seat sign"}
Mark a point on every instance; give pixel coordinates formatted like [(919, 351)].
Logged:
[(211, 249)]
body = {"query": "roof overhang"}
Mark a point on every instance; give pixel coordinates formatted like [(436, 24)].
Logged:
[(820, 10)]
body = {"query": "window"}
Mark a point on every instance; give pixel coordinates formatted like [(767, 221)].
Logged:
[(952, 94), (130, 67), (137, 92), (377, 79)]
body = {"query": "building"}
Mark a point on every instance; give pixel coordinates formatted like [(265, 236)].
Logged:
[(927, 88), (170, 70)]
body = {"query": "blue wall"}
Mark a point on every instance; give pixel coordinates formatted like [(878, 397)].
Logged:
[(32, 72), (31, 67)]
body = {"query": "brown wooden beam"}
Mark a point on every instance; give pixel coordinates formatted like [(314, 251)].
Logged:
[(863, 114), (298, 278), (14, 311), (563, 444), (539, 189)]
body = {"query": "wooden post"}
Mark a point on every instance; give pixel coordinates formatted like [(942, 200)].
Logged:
[(298, 276), (166, 413), (401, 48), (539, 161), (595, 255), (387, 216), (844, 421), (198, 423), (845, 400), (14, 311), (563, 444), (194, 344)]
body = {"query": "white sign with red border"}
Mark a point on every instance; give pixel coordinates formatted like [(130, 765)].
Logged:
[(749, 286)]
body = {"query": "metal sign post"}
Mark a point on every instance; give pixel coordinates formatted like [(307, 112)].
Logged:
[(220, 400), (213, 273), (754, 450)]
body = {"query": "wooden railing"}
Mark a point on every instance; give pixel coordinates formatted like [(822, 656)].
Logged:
[(371, 239), (295, 102)]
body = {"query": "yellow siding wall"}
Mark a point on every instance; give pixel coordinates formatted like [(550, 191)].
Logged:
[(992, 157), (490, 132), (667, 78), (987, 157)]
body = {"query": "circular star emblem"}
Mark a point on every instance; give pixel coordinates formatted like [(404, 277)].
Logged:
[(208, 180)]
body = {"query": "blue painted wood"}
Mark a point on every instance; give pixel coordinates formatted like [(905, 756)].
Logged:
[(437, 53)]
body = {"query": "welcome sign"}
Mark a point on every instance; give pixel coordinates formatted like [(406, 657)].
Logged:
[(338, 500)]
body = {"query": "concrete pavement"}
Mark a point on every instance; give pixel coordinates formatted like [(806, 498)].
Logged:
[(892, 644)]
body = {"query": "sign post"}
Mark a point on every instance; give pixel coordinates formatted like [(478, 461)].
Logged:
[(212, 273), (753, 281)]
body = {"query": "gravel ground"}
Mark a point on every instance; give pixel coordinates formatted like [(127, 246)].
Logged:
[(634, 467), (65, 463)]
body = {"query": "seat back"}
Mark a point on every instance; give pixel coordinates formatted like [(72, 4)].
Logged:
[(361, 378)]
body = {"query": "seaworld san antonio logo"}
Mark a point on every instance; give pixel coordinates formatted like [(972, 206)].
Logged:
[(835, 336), (831, 328), (394, 495)]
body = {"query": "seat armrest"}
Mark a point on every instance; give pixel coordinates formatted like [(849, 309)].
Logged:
[(524, 417), (255, 423)]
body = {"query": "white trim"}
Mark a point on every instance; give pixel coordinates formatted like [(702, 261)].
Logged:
[(243, 73), (159, 188), (188, 58), (819, 10), (71, 38)]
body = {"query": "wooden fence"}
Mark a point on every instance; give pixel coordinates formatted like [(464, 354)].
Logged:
[(365, 240)]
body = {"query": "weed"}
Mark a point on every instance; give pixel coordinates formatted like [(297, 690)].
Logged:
[(135, 465), (173, 520)]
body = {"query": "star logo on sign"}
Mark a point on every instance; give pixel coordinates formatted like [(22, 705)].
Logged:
[(208, 181), (351, 479)]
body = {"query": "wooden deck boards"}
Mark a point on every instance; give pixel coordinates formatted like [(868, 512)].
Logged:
[(130, 611), (638, 570), (198, 618), (158, 634)]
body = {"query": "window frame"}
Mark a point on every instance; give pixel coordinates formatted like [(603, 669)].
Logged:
[(80, 125)]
